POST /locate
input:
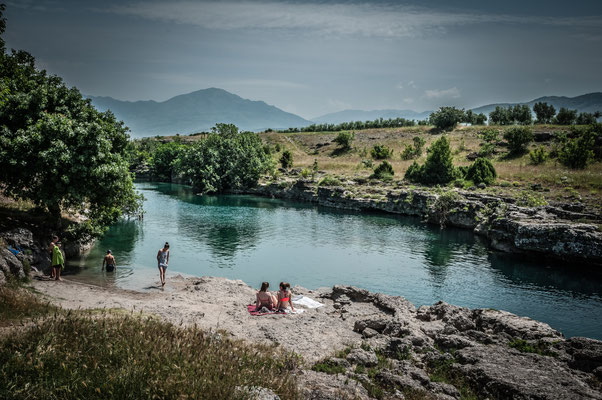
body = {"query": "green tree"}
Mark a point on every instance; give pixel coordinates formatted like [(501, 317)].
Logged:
[(438, 167), (518, 139), (538, 155), (544, 112), (384, 170), (221, 162), (165, 159), (586, 118), (59, 152), (286, 160), (344, 139), (481, 171), (501, 116), (521, 114), (566, 116), (446, 118)]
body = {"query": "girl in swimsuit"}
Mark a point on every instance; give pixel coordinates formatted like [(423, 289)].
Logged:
[(163, 261), (284, 297), (265, 298)]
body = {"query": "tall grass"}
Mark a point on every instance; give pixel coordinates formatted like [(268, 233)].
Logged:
[(17, 303), (89, 356)]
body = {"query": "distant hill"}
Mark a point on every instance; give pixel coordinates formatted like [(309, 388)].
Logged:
[(197, 111), (590, 102), (360, 115), (585, 103)]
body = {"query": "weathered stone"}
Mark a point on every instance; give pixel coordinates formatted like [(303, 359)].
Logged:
[(11, 264), (444, 388), (453, 342), (586, 353), (499, 373), (392, 380), (362, 357), (369, 332), (498, 322), (256, 393)]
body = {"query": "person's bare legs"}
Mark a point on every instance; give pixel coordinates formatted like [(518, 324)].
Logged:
[(57, 274), (162, 275)]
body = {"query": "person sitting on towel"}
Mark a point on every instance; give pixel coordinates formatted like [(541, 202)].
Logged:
[(265, 298), (284, 297)]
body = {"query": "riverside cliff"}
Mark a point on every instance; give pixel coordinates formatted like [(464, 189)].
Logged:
[(564, 231)]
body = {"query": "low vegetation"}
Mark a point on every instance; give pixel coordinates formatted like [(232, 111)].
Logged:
[(127, 356), (539, 347)]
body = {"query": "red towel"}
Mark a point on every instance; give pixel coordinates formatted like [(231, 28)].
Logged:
[(252, 311)]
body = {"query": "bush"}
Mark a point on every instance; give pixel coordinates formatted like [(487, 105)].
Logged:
[(410, 151), (531, 199), (481, 171), (344, 139), (538, 155), (544, 112), (286, 160), (384, 170), (381, 152), (518, 139), (446, 118), (577, 153), (438, 167), (501, 116), (329, 181)]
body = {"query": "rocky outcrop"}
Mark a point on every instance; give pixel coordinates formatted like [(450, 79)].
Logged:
[(448, 352), (553, 231)]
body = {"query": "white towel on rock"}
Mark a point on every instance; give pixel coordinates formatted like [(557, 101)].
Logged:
[(306, 302)]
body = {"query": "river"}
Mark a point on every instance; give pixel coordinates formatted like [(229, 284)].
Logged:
[(256, 239)]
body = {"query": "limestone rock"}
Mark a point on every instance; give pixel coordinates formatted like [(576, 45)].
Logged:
[(586, 353), (362, 357)]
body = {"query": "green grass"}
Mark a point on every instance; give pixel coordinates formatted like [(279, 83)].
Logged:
[(17, 303), (328, 367), (541, 348), (442, 371), (76, 354)]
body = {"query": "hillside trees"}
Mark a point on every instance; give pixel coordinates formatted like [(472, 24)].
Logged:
[(59, 152), (438, 167), (344, 139), (566, 116), (518, 139), (544, 112)]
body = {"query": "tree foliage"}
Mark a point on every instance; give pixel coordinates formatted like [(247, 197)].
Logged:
[(344, 139), (544, 112), (384, 170), (438, 167), (566, 116), (164, 160), (354, 125), (286, 160), (501, 116), (577, 153), (224, 161), (59, 152), (381, 152), (518, 139), (446, 118), (481, 171)]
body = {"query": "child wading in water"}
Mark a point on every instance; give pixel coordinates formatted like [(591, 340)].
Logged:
[(284, 297), (163, 261)]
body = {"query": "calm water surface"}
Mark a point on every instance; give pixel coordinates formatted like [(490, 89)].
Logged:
[(257, 239)]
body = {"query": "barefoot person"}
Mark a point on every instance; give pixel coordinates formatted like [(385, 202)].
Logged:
[(284, 297), (109, 260), (265, 298), (58, 261), (53, 243), (163, 261)]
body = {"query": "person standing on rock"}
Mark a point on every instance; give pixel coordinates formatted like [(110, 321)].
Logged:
[(163, 261), (109, 260)]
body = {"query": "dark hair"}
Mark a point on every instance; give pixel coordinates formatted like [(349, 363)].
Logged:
[(166, 245), (287, 285), (282, 285), (264, 286), (108, 251), (55, 237)]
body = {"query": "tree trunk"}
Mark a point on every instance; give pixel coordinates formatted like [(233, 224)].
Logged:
[(55, 212)]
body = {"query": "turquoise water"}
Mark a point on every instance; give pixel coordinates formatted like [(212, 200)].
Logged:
[(257, 239)]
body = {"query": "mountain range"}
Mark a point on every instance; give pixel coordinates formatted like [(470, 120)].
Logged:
[(200, 110), (196, 112)]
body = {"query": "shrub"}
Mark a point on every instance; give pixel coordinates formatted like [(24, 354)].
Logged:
[(544, 112), (446, 118), (344, 139), (277, 147), (531, 199), (438, 167), (408, 153), (577, 153), (518, 139), (367, 163), (481, 171), (286, 160), (538, 155), (381, 152), (501, 116), (418, 145), (329, 181), (384, 170), (521, 114), (305, 173)]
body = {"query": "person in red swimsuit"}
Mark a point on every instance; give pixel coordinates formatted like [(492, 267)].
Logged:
[(284, 297)]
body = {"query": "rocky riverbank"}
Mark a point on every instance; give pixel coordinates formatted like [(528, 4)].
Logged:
[(362, 345), (564, 231)]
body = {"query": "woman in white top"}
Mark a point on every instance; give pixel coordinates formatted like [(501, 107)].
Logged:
[(163, 261)]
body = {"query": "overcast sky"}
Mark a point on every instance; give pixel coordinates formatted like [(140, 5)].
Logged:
[(312, 58)]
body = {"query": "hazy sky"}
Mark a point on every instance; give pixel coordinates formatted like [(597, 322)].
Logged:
[(312, 58)]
